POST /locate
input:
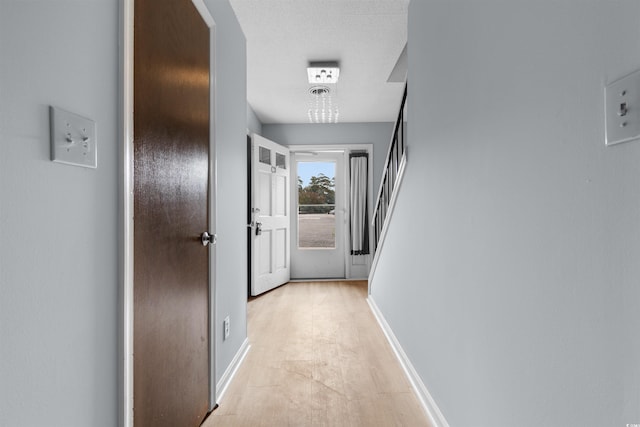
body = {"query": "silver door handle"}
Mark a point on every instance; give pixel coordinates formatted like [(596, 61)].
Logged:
[(207, 239)]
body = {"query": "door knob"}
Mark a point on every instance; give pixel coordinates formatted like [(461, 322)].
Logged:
[(207, 238), (258, 228)]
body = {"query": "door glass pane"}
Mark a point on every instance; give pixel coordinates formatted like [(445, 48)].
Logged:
[(265, 155), (281, 161), (316, 205)]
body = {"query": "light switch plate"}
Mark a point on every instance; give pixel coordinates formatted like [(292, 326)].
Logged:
[(622, 109), (73, 139)]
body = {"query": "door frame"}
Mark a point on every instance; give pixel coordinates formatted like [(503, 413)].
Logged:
[(347, 148), (126, 204), (318, 263)]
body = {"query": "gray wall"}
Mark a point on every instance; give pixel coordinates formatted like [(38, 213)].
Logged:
[(59, 279), (253, 122), (58, 223), (378, 134), (231, 149), (517, 297)]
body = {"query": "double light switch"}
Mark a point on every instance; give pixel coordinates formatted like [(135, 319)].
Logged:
[(73, 138)]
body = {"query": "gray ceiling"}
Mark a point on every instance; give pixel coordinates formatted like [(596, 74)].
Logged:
[(366, 37)]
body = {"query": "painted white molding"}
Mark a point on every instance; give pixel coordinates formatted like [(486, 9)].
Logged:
[(204, 12), (232, 369), (326, 280), (387, 220), (428, 404), (126, 211)]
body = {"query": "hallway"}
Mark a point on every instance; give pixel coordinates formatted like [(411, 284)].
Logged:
[(317, 358)]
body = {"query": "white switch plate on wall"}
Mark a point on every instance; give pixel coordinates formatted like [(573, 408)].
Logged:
[(73, 138), (622, 109)]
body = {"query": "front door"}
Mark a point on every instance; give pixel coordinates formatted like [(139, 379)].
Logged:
[(171, 187), (270, 204), (318, 213)]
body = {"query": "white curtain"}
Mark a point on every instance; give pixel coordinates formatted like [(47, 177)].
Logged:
[(359, 211)]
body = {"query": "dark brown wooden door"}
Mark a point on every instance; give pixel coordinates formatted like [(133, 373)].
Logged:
[(171, 179)]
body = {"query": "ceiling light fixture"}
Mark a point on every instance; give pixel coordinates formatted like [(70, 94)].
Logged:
[(322, 105), (319, 90), (323, 72)]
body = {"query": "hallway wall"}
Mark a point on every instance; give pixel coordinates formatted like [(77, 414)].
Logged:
[(58, 223), (59, 282), (231, 151), (253, 122), (510, 271)]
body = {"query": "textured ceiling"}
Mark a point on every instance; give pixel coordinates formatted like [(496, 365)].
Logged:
[(365, 36)]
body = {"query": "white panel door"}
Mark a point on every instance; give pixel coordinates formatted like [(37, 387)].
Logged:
[(270, 207)]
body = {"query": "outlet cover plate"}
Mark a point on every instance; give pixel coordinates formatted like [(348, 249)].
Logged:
[(622, 109), (227, 328), (73, 138)]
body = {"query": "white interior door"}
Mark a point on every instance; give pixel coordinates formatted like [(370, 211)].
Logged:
[(318, 230), (270, 207)]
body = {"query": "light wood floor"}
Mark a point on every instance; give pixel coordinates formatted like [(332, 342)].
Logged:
[(317, 358)]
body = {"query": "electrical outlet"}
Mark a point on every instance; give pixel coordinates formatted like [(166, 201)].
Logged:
[(226, 328)]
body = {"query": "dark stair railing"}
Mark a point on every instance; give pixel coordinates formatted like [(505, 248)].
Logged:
[(393, 164)]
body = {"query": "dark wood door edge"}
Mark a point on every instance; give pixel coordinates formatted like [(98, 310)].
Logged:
[(209, 413)]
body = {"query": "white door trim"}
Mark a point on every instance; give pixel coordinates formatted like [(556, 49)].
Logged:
[(347, 147), (125, 361), (125, 163)]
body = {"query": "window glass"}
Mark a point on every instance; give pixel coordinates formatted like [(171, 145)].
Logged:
[(316, 205), (265, 155)]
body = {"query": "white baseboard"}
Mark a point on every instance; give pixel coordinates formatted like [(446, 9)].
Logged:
[(428, 404), (228, 375), (351, 279)]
